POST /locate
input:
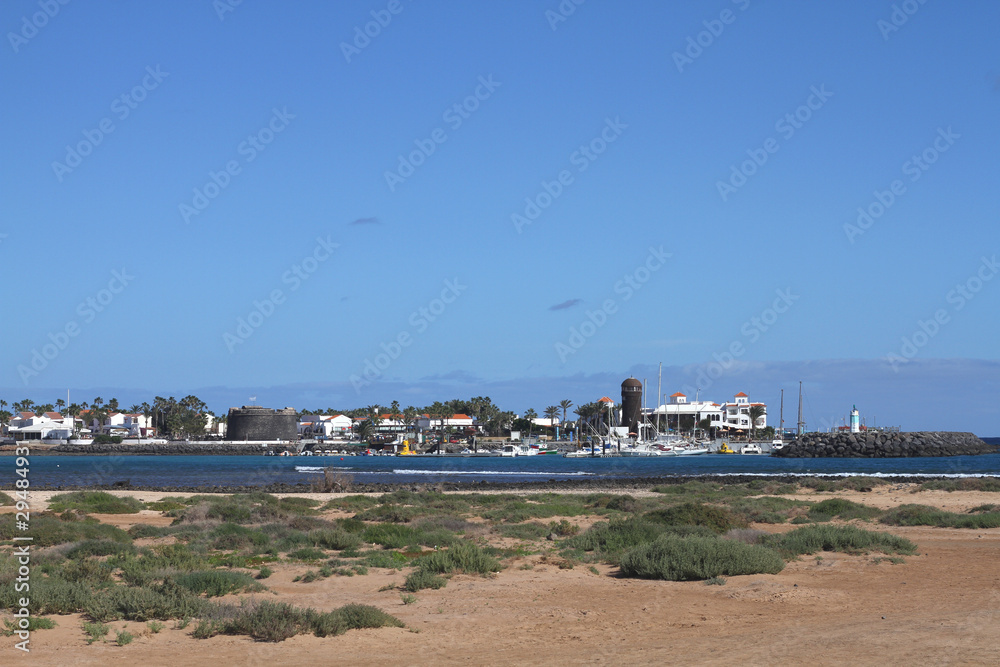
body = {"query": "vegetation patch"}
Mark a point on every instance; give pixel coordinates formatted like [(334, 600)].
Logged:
[(275, 622), (922, 515), (847, 539), (216, 583), (95, 502), (716, 519), (766, 509), (464, 557), (696, 558), (845, 510), (420, 579)]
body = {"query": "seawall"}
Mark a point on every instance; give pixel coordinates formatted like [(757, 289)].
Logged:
[(178, 448), (885, 445)]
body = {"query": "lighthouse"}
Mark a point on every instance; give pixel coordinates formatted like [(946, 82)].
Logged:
[(855, 420)]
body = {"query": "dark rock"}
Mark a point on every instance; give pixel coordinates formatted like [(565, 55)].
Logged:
[(886, 445)]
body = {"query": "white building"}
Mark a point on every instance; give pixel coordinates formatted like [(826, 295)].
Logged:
[(311, 426), (426, 422), (737, 413), (49, 426)]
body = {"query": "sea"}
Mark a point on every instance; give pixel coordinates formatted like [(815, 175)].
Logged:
[(208, 471)]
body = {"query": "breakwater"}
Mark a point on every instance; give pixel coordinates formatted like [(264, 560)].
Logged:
[(885, 445), (177, 448)]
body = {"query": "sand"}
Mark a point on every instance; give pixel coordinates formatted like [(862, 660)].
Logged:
[(939, 607)]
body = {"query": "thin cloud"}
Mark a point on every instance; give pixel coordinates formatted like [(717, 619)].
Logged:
[(366, 221), (566, 304)]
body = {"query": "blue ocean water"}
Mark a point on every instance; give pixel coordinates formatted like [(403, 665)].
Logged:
[(54, 471)]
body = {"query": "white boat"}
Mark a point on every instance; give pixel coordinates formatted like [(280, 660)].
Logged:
[(751, 449), (689, 451), (777, 444)]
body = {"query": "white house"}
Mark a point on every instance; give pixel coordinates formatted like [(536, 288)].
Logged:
[(428, 422), (680, 409), (311, 426), (49, 426), (736, 414)]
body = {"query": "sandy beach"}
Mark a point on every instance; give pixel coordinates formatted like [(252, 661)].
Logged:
[(941, 606)]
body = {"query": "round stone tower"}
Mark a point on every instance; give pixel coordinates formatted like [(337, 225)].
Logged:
[(631, 404)]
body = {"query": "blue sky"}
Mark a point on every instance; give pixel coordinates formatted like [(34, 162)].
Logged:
[(638, 183)]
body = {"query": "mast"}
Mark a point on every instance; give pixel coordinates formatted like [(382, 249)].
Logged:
[(659, 381), (781, 432), (801, 423)]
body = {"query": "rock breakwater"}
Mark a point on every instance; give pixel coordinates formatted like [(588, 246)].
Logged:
[(885, 445)]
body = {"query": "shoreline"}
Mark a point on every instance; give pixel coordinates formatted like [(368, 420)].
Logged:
[(614, 485)]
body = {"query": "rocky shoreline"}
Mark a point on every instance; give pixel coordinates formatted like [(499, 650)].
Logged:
[(885, 445), (176, 448)]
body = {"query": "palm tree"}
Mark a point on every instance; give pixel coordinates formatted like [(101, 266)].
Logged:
[(755, 412), (530, 414), (565, 404), (551, 413), (365, 430)]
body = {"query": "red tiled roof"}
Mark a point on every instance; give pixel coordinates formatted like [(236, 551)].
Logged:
[(678, 394), (605, 399), (27, 415), (740, 394), (53, 415)]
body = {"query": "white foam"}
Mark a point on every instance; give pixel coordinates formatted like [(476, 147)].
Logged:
[(505, 473), (319, 468)]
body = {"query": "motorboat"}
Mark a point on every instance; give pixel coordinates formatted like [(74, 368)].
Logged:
[(751, 448)]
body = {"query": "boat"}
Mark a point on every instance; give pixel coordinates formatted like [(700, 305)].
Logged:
[(777, 444), (751, 448), (725, 449), (512, 450)]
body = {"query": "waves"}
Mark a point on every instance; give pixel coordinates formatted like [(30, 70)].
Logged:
[(486, 473), (320, 468)]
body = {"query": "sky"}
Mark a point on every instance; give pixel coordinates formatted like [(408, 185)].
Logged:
[(342, 204)]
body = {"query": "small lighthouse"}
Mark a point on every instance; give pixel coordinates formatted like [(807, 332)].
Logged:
[(855, 420)]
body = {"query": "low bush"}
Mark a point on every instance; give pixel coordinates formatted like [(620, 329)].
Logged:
[(334, 538), (717, 519), (143, 604), (922, 515), (34, 623), (387, 559), (610, 539), (848, 539), (96, 631), (989, 484), (692, 558), (216, 583), (49, 530), (421, 579), (524, 531), (845, 510), (462, 557), (275, 622), (95, 502), (99, 548), (307, 554), (766, 509)]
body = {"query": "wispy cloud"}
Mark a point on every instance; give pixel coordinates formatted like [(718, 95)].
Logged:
[(366, 221), (566, 304)]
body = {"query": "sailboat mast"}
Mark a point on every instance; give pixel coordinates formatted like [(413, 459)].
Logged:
[(782, 414), (659, 389), (801, 424)]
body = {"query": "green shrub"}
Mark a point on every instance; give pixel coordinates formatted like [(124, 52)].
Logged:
[(334, 538), (611, 539), (34, 623), (307, 554), (421, 579), (49, 595), (265, 572), (95, 502), (692, 558), (717, 519), (988, 484), (216, 583), (5, 499), (48, 530), (232, 536), (922, 515), (564, 528), (462, 557), (99, 548), (848, 539), (155, 627), (91, 572), (124, 637), (165, 505), (390, 535), (766, 509), (275, 622), (96, 631), (843, 509), (715, 581), (388, 559), (407, 598), (143, 604)]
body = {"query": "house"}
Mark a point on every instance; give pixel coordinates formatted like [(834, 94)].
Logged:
[(48, 426), (428, 422), (311, 426), (736, 414), (682, 412)]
